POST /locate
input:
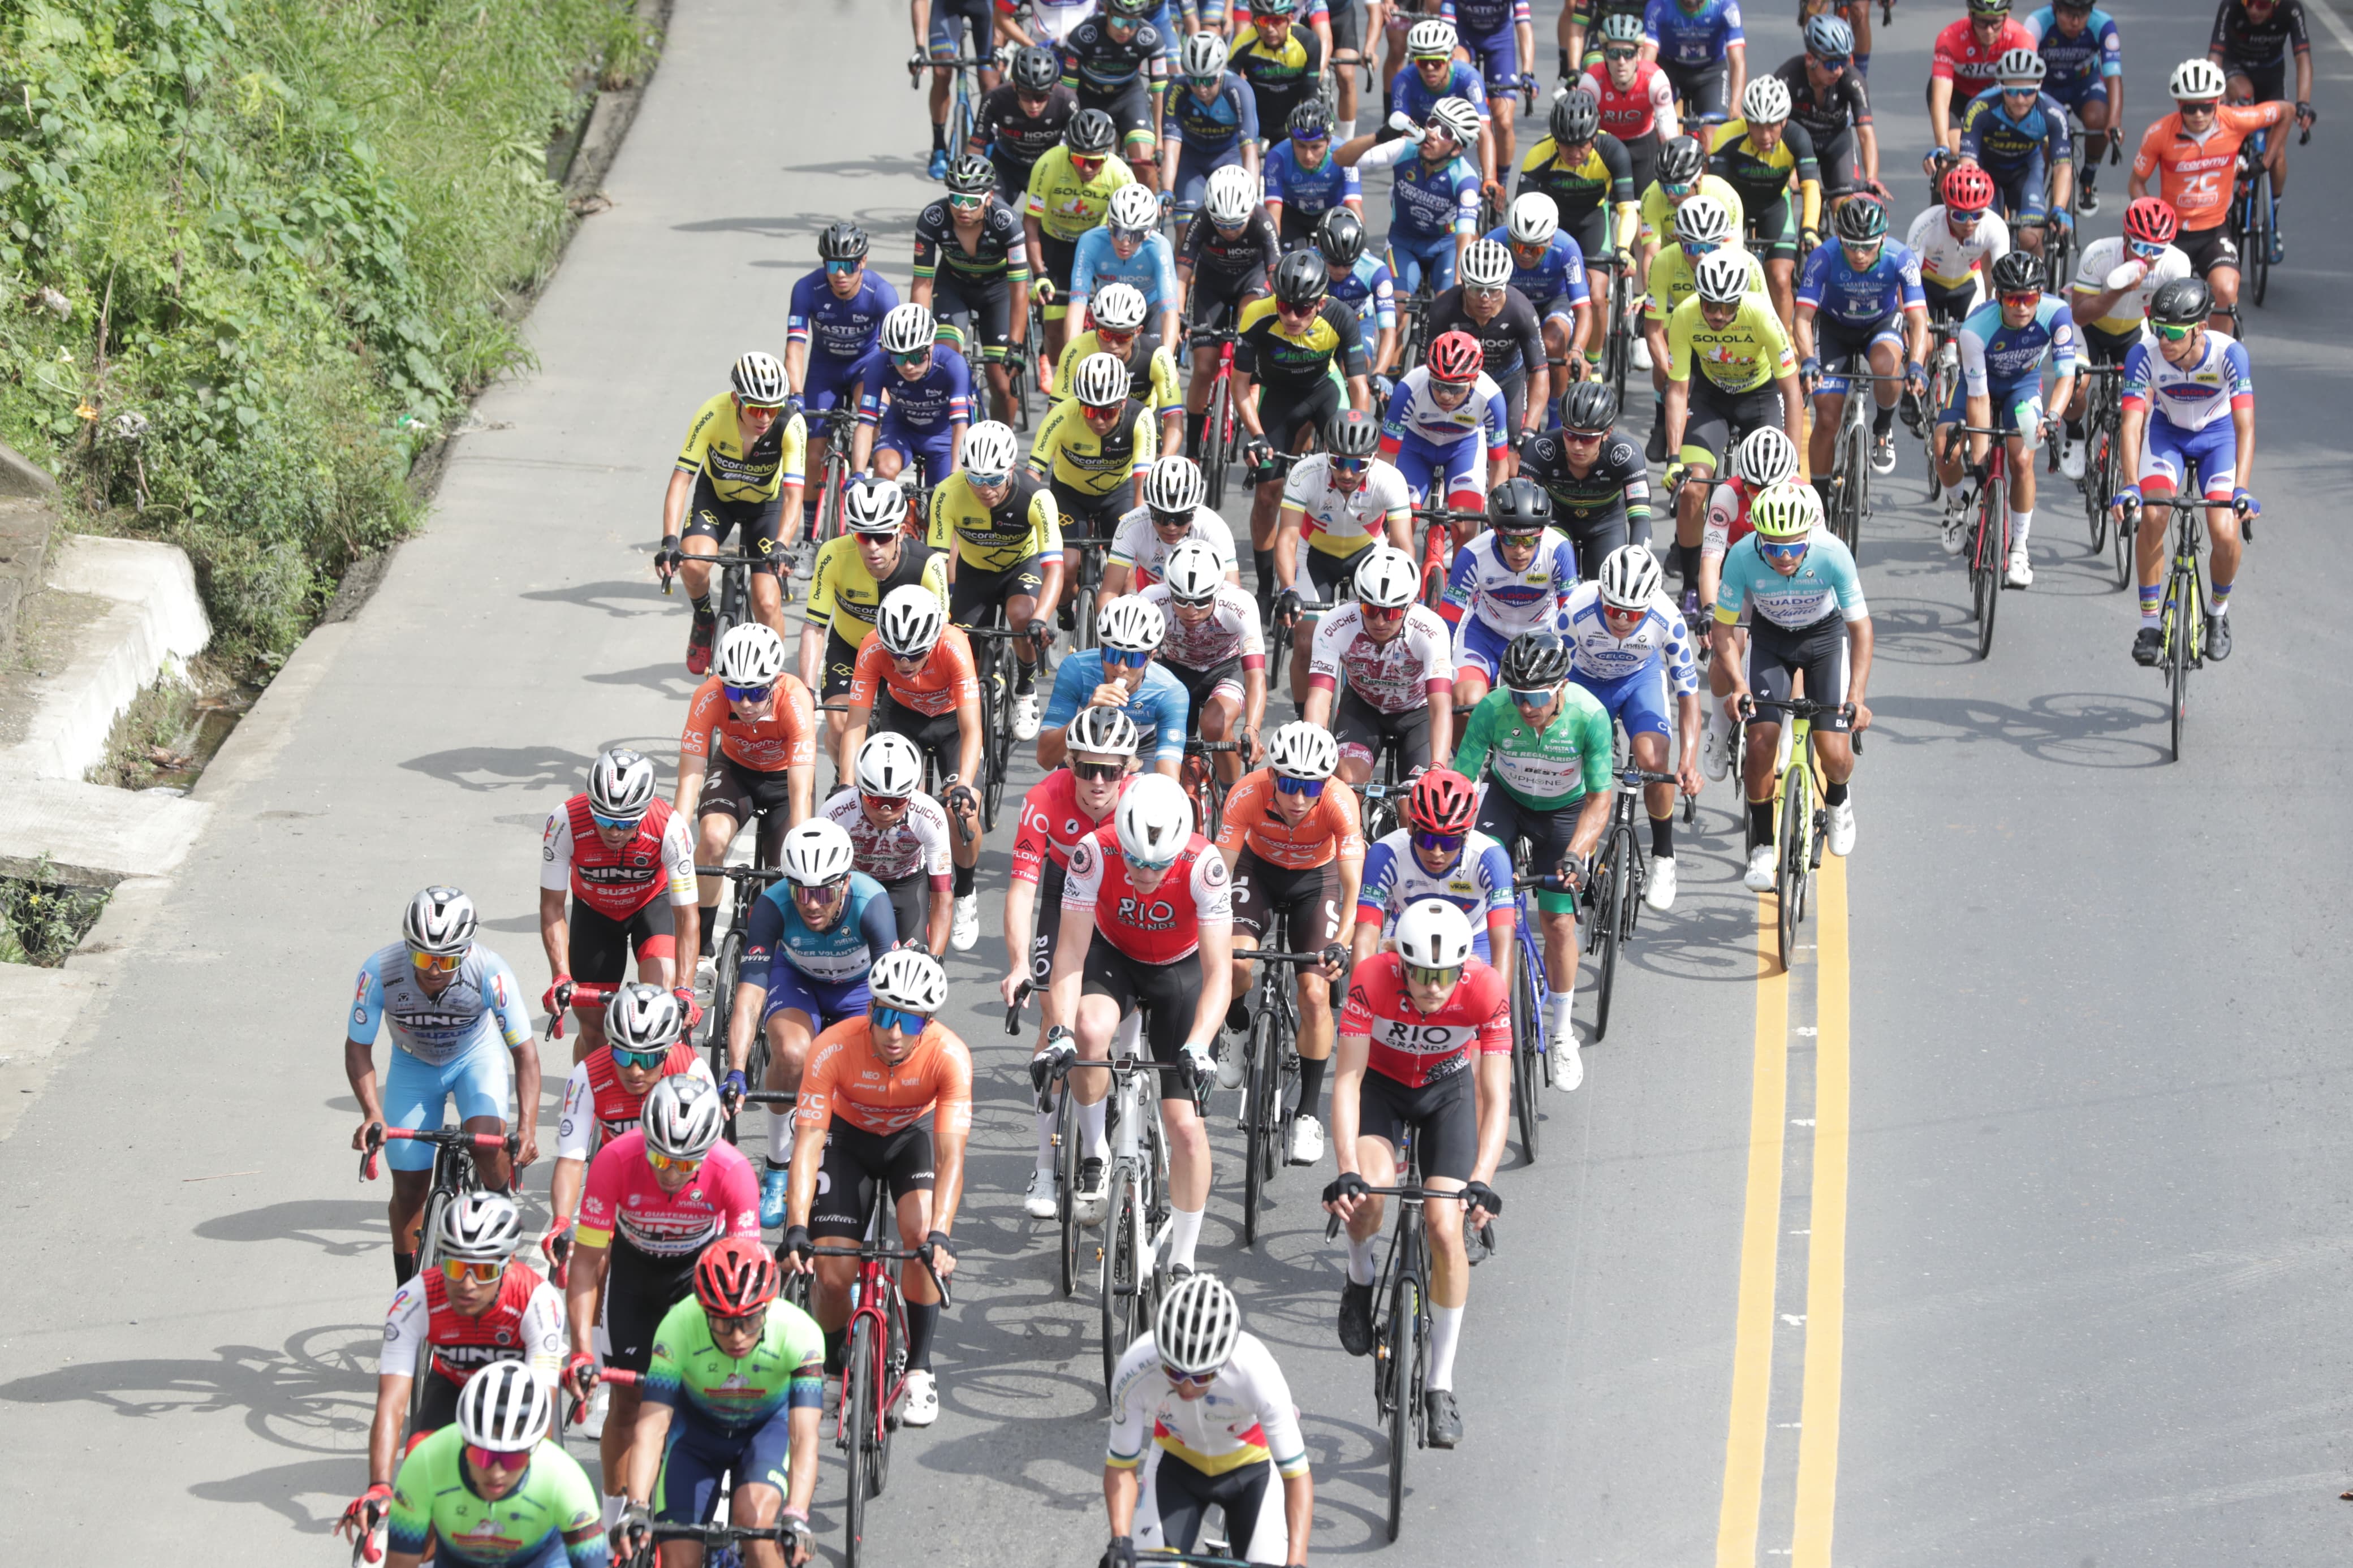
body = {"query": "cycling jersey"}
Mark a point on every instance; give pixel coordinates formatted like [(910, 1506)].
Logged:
[(1306, 195), (432, 1500), (695, 1379), (944, 682), (1137, 546), (1153, 268), (1224, 120), (1242, 261), (994, 537), (525, 1321), (846, 597), (1392, 676), (1000, 248), (1647, 106), (1728, 515), (1369, 289), (1552, 284), (1342, 523), (1511, 341), (929, 404), (1065, 206), (1073, 454), (2070, 64), (1949, 261), (1660, 640), (1478, 882), (1997, 354), (1481, 22), (1605, 173), (1670, 280), (2191, 397), (1619, 480), (1414, 98), (737, 471), (1100, 66), (909, 844), (2197, 174), (1158, 708), (1160, 927), (1287, 360), (617, 883), (1742, 356), (1831, 286), (1658, 208), (598, 1107), (1687, 38), (1245, 1418), (1053, 20), (1282, 75), (1480, 587), (1842, 105), (2007, 144), (1479, 417), (848, 1081), (2243, 41), (622, 1197), (1414, 1047), (1153, 383), (784, 737), (1824, 584), (1763, 178), (1426, 201), (1545, 769), (1230, 631), (838, 955), (1968, 64), (1015, 140), (840, 330), (1331, 830), (1052, 822), (481, 1004), (2096, 273)]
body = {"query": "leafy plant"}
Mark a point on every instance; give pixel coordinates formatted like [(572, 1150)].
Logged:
[(42, 920)]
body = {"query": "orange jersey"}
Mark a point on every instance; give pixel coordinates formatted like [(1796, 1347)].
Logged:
[(786, 738), (845, 1077), (946, 679), (1333, 827), (2196, 176)]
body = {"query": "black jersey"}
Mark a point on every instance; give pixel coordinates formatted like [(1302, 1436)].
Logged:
[(1511, 340), (1019, 140), (2243, 41), (1252, 253), (1844, 103), (999, 250), (1619, 480)]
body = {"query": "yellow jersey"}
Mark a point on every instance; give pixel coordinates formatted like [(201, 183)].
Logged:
[(1065, 206), (844, 595), (1659, 209), (1670, 280), (1025, 524), (1068, 451), (715, 449), (1157, 387), (1742, 356)]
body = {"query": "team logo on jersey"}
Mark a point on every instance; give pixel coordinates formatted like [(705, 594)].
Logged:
[(1158, 915)]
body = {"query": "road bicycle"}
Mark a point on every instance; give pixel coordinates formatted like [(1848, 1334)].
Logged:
[(722, 1544), (2254, 220), (1846, 498), (1413, 322), (733, 604), (1989, 544), (2104, 463), (965, 89), (1203, 783), (1613, 893), (1943, 368), (1530, 985), (1000, 672), (1221, 438), (1270, 1069), (1436, 545), (832, 479), (1800, 805), (2182, 619), (1620, 300), (745, 884)]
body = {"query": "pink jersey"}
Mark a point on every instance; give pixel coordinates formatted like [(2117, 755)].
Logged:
[(1417, 1047), (723, 1199)]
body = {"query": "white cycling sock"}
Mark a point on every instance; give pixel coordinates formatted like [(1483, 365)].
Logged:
[(780, 1134), (1556, 1010), (1045, 1140), (1093, 1120), (1360, 1260), (1445, 1332), (2021, 522), (1183, 1235)]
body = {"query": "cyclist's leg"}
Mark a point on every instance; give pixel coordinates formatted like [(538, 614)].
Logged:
[(1171, 993), (1356, 727), (1833, 346), (852, 1165), (906, 1161), (1316, 920), (1478, 658), (1771, 665), (1446, 1135), (414, 1093)]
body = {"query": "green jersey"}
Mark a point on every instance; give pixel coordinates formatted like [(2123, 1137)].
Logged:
[(431, 1499), (1545, 769), (690, 1370)]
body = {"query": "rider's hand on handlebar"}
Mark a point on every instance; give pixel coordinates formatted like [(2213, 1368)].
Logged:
[(580, 1375), (360, 1520), (667, 559), (732, 1088), (1345, 1192), (634, 1533), (797, 1251)]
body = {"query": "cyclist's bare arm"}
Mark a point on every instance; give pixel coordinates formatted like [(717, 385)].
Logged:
[(1021, 910), (391, 1417), (743, 1019), (358, 1068), (1069, 966), (584, 1285), (648, 1438)]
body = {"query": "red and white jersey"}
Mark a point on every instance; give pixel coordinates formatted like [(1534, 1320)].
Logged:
[(1649, 102), (525, 1322), (1052, 823), (598, 1108), (1163, 925), (618, 883), (1727, 516), (1230, 631), (1395, 676), (1417, 1047), (915, 840), (1968, 64)]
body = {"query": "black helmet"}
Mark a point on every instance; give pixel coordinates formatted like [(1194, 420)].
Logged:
[(1301, 279), (1679, 161), (1035, 69), (1341, 236), (2017, 272), (1352, 432), (842, 242), (1535, 660), (1576, 117), (1862, 221), (1136, 10), (1090, 133), (1519, 506), (2184, 302), (1588, 406), (1311, 119), (971, 174)]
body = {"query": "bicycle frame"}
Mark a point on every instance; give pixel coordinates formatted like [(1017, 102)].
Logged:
[(747, 883), (1802, 811), (1270, 1107)]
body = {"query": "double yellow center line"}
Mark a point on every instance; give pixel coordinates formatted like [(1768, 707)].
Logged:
[(1762, 1515)]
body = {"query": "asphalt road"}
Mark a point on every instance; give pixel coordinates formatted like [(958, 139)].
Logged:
[(2010, 1228)]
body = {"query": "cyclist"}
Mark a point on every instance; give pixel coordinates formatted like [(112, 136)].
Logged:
[(1485, 306), (1069, 192), (944, 29), (1116, 61), (1121, 674), (1967, 56), (886, 1101), (1577, 30), (1703, 225), (2018, 134), (1304, 182), (915, 400), (1443, 417), (749, 747), (1498, 36), (1861, 310), (1580, 178), (2252, 42), (1742, 359), (1438, 854), (452, 1003), (1226, 264), (479, 1308), (1146, 922), (1636, 101), (1810, 619), (1513, 578), (972, 262), (1957, 241), (1007, 534), (855, 572), (2084, 55), (607, 1093), (1400, 674), (1299, 359), (899, 836), (1826, 96), (1629, 646), (916, 680), (1434, 195), (741, 465), (618, 850), (1591, 473), (2189, 401), (1215, 650), (1284, 62), (835, 315), (1547, 270), (2113, 284), (1342, 501), (1022, 120), (1363, 283), (1425, 1050), (1129, 248), (1119, 311), (2003, 345), (656, 1197), (1768, 457), (2193, 153), (1683, 177), (1171, 515), (1701, 48), (1200, 1414), (1547, 740), (1431, 76), (1760, 155), (1094, 449), (1062, 808), (736, 1389), (1293, 839), (1048, 22), (1212, 119), (492, 1476)]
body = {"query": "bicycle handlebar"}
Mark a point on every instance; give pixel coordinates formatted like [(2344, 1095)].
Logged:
[(1798, 708), (579, 1406), (577, 993), (379, 1135), (878, 1252), (742, 873)]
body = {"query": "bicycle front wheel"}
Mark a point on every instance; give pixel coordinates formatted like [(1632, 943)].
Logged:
[(1404, 1372), (1000, 738), (1066, 1180), (1264, 1123), (2181, 615), (1789, 883), (1213, 444), (1527, 1060), (1855, 473), (1123, 1274), (1609, 912), (858, 1419), (1986, 563), (2258, 257)]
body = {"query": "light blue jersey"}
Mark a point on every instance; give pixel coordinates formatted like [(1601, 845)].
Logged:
[(483, 1005), (1824, 583), (1159, 707)]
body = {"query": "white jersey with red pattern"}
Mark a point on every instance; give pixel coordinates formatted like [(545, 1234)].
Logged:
[(1052, 822), (1417, 1047), (1156, 927), (598, 1107), (1395, 675), (1649, 104), (915, 841), (623, 1196), (525, 1322), (618, 883), (1230, 631), (1728, 515)]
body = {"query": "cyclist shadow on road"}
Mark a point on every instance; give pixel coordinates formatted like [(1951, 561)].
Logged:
[(281, 1488), (483, 768), (338, 1228), (315, 1394), (619, 601), (2074, 728)]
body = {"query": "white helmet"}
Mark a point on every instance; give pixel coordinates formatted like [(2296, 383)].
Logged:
[(1154, 820), (1174, 483), (1202, 55), (1133, 208), (910, 620), (440, 921), (1433, 934), (1231, 195), (817, 852), (1102, 732), (1193, 572), (1629, 577), (1131, 624), (480, 1227), (1765, 457), (1303, 750), (683, 1117), (2019, 65), (2196, 79), (890, 766), (1101, 381), (758, 378), (642, 1017), (1486, 264), (908, 327), (503, 1409), (1766, 101), (1197, 1325), (1118, 307), (1534, 219), (869, 505), (750, 655), (908, 978), (1703, 220), (1721, 277), (621, 784), (1386, 577), (990, 450), (1459, 117), (1432, 37)]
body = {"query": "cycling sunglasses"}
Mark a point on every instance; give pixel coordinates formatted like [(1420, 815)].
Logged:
[(1435, 979), (1349, 465), (749, 695), (910, 360), (1783, 550), (1126, 659), (613, 824), (899, 1019), (884, 803), (988, 481), (669, 1163), (1697, 247), (823, 893), (1619, 56), (493, 1459), (2024, 296), (1171, 519), (1533, 699), (967, 201), (1445, 843), (842, 268), (640, 1062), (2172, 334), (1098, 772), (1377, 612), (1582, 437), (1194, 1379), (1311, 788), (456, 1268), (2144, 250), (436, 962), (1833, 63)]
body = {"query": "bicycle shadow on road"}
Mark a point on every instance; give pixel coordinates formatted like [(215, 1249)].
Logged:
[(2072, 729), (641, 597), (483, 768), (315, 1394), (339, 1228), (278, 1487)]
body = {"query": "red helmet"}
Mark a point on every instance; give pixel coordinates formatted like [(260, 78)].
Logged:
[(735, 1277), (2152, 221), (1455, 357), (1967, 189), (1442, 802)]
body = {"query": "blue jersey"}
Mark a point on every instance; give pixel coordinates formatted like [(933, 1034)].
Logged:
[(1231, 113), (1427, 202), (1996, 354), (1152, 268), (1369, 289), (1478, 882), (841, 953), (482, 1004), (1159, 708), (1991, 136), (1310, 193), (941, 397), (1409, 95), (1689, 38), (1866, 298), (2097, 52), (1484, 19), (1825, 583), (1558, 275), (842, 329)]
